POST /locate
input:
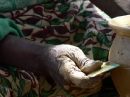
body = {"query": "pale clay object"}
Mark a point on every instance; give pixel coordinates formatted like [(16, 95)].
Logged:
[(120, 53)]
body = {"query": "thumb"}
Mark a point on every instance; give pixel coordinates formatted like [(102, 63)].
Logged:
[(91, 66), (86, 64)]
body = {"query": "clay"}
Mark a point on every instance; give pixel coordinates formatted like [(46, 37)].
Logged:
[(120, 53), (71, 64)]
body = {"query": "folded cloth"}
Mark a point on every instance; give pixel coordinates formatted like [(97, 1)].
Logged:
[(10, 5), (8, 26)]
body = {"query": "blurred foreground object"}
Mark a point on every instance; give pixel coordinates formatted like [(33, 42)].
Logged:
[(120, 53)]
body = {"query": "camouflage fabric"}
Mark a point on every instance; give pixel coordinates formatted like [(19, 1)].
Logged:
[(10, 5), (76, 22)]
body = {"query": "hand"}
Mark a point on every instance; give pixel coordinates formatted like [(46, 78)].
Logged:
[(69, 66)]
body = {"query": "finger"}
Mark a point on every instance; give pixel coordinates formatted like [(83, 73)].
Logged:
[(86, 64), (84, 81), (72, 52), (74, 75), (77, 55), (91, 66)]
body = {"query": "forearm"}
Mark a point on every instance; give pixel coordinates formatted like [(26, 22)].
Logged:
[(22, 54)]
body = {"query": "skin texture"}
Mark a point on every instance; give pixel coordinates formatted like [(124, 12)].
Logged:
[(62, 62), (21, 53)]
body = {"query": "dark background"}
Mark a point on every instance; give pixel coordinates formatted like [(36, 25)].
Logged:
[(113, 7)]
